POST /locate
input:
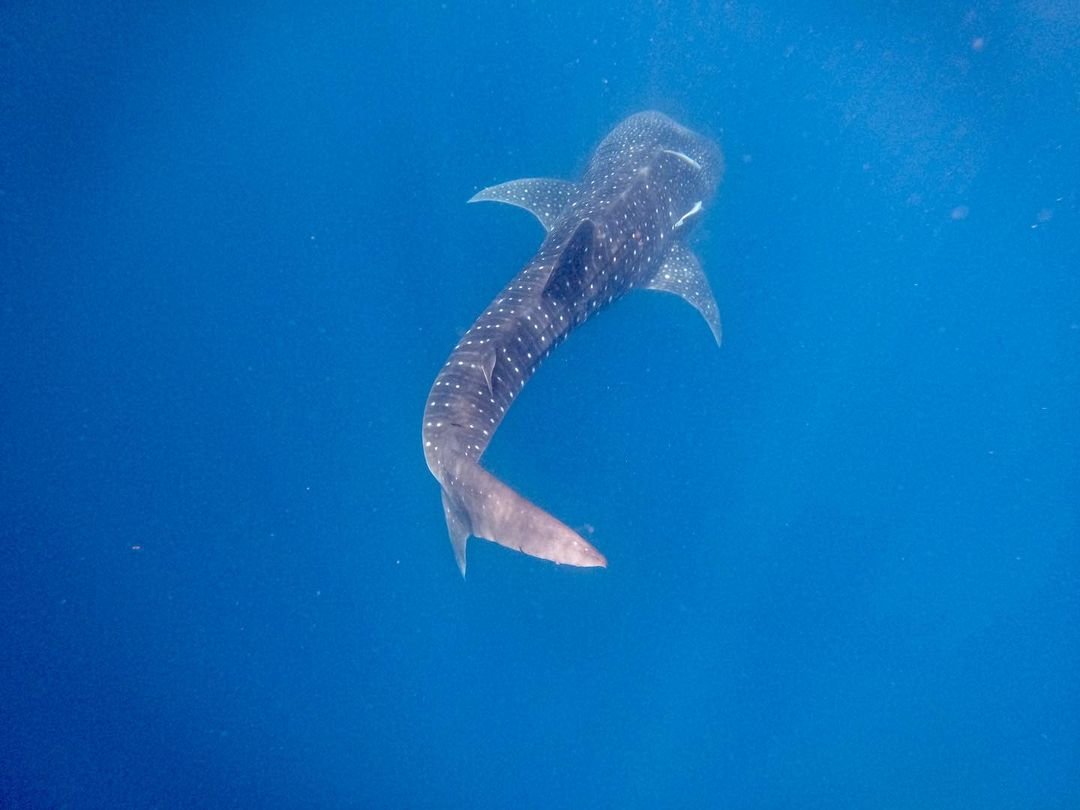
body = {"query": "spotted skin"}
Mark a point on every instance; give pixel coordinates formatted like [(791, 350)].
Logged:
[(619, 228)]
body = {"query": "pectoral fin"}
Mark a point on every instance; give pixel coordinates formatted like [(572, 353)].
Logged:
[(543, 197), (682, 275)]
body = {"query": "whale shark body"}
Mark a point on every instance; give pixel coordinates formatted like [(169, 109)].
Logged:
[(621, 227)]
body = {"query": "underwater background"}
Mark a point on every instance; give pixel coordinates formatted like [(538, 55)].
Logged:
[(844, 549)]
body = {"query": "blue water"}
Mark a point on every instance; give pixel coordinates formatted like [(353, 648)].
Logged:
[(844, 549)]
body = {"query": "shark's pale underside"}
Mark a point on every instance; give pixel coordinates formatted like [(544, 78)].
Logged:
[(621, 227)]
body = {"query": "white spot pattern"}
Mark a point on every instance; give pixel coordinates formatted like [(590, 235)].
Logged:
[(609, 233)]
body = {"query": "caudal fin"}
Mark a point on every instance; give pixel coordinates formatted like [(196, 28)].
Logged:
[(477, 503)]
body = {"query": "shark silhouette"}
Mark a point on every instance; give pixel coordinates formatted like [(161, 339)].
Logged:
[(622, 227)]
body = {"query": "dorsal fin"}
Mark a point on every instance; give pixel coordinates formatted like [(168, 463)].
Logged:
[(543, 197), (576, 264), (682, 275), (487, 365)]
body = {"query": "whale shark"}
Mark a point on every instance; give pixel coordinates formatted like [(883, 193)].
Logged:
[(622, 226)]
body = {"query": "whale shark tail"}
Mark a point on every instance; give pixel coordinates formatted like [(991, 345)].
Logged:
[(479, 504)]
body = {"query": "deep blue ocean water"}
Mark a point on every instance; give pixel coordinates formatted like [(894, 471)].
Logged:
[(844, 549)]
